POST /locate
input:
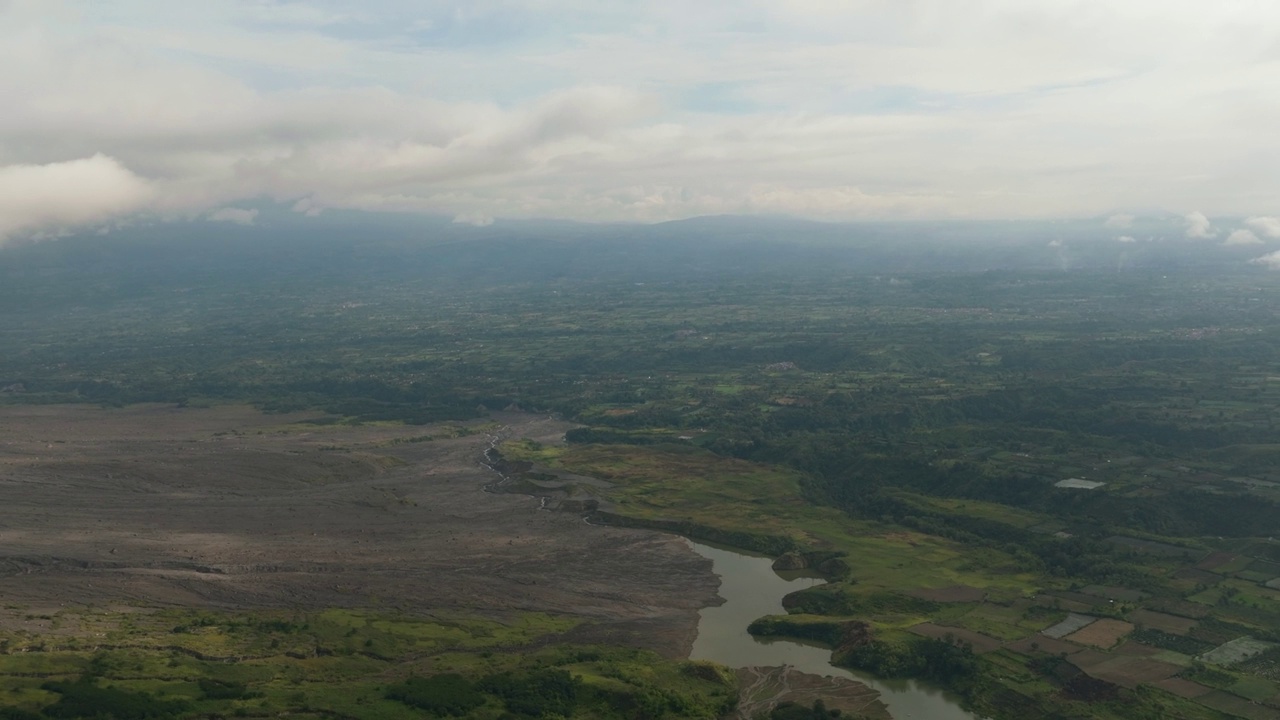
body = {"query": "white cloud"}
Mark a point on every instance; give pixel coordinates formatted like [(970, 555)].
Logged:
[(1199, 226), (239, 216), (1126, 239), (1055, 243), (1242, 237), (1271, 261), (68, 194), (1267, 226), (654, 111), (473, 219)]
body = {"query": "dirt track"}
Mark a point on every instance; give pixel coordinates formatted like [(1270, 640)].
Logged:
[(230, 508)]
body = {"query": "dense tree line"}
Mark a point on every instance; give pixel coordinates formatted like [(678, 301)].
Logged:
[(947, 662), (84, 699)]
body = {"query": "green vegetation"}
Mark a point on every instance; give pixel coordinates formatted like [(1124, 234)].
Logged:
[(793, 711), (85, 700), (913, 427), (443, 694), (536, 694), (1177, 643), (353, 665), (948, 663)]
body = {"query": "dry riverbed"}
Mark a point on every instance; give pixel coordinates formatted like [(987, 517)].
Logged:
[(229, 508)]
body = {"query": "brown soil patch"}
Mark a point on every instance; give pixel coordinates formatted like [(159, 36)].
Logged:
[(229, 508), (1087, 659), (1171, 624), (1057, 603), (1130, 672), (1238, 706), (1042, 644), (1215, 560), (1114, 593), (1197, 576), (1183, 688), (908, 538), (1182, 608), (1101, 634), (953, 594), (1137, 649), (981, 643)]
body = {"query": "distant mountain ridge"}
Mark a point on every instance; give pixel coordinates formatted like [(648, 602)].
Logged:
[(351, 246)]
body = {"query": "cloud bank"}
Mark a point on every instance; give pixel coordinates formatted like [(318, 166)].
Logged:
[(62, 195), (641, 111)]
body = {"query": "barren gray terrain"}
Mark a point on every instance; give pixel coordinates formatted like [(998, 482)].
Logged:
[(226, 507)]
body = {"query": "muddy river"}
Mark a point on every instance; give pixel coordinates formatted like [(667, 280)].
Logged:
[(752, 589)]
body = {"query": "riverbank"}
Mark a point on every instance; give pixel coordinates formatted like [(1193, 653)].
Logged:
[(751, 590)]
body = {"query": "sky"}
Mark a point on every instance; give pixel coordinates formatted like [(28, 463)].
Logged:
[(612, 110)]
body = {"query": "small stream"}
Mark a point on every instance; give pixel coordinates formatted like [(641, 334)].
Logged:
[(752, 589)]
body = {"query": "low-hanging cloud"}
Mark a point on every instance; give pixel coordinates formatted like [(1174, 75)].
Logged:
[(1266, 226), (66, 195), (1242, 237), (1126, 239), (1271, 261), (1199, 226), (1119, 221)]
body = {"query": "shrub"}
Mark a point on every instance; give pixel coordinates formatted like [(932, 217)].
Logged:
[(83, 700), (446, 694)]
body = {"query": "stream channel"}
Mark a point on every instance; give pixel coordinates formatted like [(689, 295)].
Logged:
[(752, 589)]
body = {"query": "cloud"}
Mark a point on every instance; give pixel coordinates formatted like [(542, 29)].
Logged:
[(1055, 243), (652, 111), (1267, 226), (473, 219), (239, 216), (64, 195), (1126, 239), (1242, 237), (1271, 261), (1198, 226), (308, 206)]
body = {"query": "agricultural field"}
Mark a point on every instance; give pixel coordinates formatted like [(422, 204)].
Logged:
[(892, 578)]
